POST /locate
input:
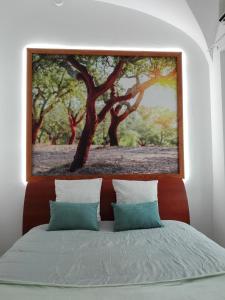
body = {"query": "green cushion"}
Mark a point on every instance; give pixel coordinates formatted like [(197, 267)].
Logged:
[(136, 216), (71, 216)]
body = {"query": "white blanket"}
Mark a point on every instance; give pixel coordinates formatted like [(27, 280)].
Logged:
[(172, 263)]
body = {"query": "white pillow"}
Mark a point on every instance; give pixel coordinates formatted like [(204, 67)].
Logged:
[(79, 191), (130, 191)]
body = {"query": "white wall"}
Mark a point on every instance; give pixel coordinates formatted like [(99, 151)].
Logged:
[(207, 15), (222, 66), (84, 23), (218, 127), (178, 13)]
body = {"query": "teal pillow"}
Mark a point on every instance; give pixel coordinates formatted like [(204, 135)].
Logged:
[(70, 216), (136, 216)]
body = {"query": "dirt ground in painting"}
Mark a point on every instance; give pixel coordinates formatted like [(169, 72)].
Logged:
[(55, 160)]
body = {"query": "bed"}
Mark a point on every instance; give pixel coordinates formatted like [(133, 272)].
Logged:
[(172, 262)]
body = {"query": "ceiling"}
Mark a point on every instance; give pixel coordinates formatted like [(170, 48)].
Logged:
[(197, 18)]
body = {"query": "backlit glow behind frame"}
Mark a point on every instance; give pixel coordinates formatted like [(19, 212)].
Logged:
[(56, 46)]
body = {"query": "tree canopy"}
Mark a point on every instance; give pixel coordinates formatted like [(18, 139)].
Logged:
[(61, 85)]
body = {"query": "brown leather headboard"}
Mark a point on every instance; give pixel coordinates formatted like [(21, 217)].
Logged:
[(173, 204)]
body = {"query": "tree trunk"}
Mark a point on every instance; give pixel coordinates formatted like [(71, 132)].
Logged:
[(40, 136), (91, 122), (73, 135), (113, 138), (54, 139), (87, 136), (117, 118), (35, 130), (74, 121), (161, 137)]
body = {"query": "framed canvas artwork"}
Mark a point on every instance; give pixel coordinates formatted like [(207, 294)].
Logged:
[(104, 113)]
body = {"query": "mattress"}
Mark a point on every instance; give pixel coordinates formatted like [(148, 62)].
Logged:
[(173, 261)]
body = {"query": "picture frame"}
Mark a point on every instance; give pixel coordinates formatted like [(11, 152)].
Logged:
[(145, 127)]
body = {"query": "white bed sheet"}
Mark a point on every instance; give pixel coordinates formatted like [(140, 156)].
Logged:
[(174, 262)]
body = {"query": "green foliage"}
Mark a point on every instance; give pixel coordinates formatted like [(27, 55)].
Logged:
[(129, 139), (57, 93), (56, 128), (101, 134), (146, 66), (152, 126)]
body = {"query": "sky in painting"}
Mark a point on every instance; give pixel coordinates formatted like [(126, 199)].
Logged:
[(156, 95)]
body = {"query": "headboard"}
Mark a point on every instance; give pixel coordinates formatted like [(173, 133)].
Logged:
[(173, 204)]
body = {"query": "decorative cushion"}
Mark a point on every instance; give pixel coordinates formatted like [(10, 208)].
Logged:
[(71, 216), (136, 216), (131, 191), (79, 191)]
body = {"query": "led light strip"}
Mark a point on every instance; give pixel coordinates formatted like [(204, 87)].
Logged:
[(57, 46)]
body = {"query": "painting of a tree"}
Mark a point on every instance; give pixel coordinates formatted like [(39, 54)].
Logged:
[(104, 113)]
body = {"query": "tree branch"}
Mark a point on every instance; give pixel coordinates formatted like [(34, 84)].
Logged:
[(101, 89), (61, 80), (69, 68), (87, 78), (113, 100), (80, 118), (110, 103), (136, 103), (136, 89), (129, 108)]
